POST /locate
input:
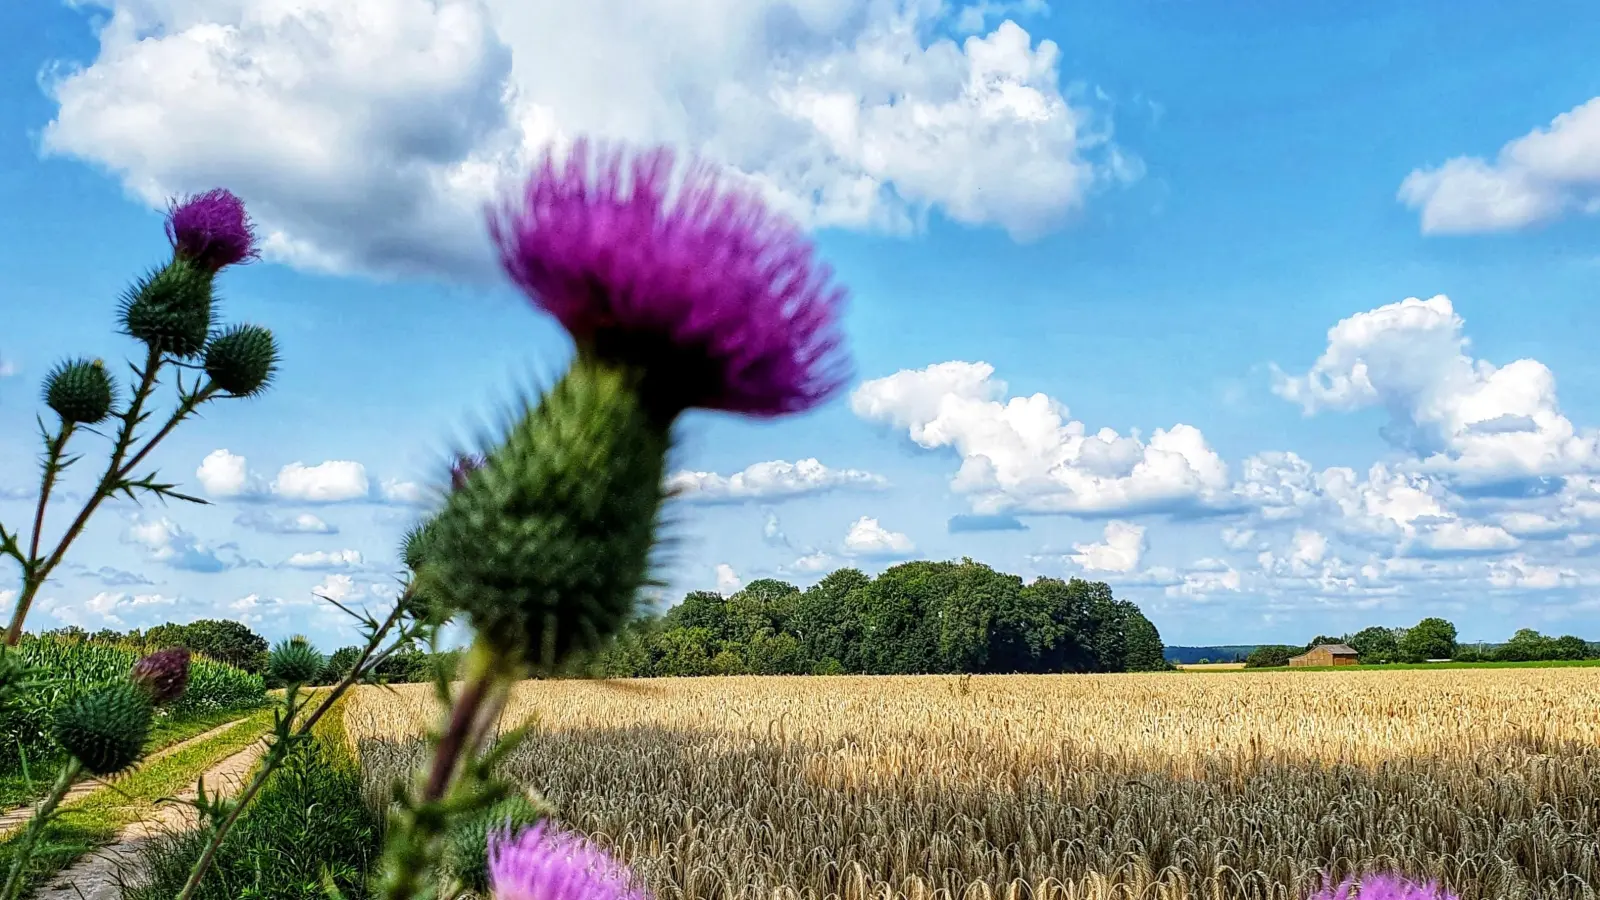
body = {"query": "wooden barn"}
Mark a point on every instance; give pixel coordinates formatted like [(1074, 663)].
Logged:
[(1326, 655)]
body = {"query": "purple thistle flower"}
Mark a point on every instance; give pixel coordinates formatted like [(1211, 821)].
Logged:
[(212, 230), (1382, 886), (542, 863), (462, 468), (164, 675), (718, 300)]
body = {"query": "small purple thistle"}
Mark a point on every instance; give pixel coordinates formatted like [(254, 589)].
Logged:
[(462, 469), (716, 298), (212, 230), (541, 863), (163, 675), (1382, 886)]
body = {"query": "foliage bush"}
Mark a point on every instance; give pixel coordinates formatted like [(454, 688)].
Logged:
[(71, 666)]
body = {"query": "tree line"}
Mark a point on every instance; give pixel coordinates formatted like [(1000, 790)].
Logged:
[(1433, 638), (916, 618), (921, 617)]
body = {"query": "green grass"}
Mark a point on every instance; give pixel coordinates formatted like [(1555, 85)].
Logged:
[(309, 819), (24, 786), (1391, 667), (96, 820)]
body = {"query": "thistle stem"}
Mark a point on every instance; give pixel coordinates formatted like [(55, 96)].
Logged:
[(116, 471), (36, 826), (52, 468)]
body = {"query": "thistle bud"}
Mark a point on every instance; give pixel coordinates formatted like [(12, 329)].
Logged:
[(414, 549), (295, 662), (466, 852), (545, 547), (242, 360), (163, 675), (170, 309), (80, 391), (105, 728)]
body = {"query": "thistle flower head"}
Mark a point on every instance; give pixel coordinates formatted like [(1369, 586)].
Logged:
[(1382, 886), (543, 863), (163, 675), (462, 468), (80, 391), (211, 230), (714, 298), (104, 727)]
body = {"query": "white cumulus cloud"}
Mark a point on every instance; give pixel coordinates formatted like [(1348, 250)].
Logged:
[(366, 133), (1026, 454), (1546, 173), (868, 538), (326, 560), (728, 581), (1455, 413), (328, 482), (775, 480), (1120, 549)]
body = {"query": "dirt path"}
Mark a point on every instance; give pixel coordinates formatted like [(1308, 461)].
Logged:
[(99, 875), (16, 818)]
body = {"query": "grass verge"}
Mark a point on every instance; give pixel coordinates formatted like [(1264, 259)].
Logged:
[(308, 824), (1399, 667), (97, 819), (28, 785)]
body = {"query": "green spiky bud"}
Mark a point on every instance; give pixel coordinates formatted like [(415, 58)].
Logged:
[(80, 391), (414, 547), (242, 360), (170, 310), (295, 661), (546, 546), (105, 728), (466, 851)]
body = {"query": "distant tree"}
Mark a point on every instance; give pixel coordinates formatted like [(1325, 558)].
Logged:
[(225, 640), (1432, 638), (1271, 655), (1570, 646), (339, 664), (1324, 639), (1375, 645)]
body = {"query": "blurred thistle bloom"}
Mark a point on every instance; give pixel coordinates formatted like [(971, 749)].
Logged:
[(1383, 886), (715, 299), (164, 675), (462, 468), (212, 230), (542, 863)]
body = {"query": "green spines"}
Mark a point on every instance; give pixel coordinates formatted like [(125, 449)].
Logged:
[(295, 661), (170, 310), (546, 546), (80, 391), (242, 360), (105, 728), (466, 851), (414, 548)]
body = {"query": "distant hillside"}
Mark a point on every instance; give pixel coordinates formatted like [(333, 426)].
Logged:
[(1188, 656)]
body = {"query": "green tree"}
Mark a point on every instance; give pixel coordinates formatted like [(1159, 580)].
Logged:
[(1271, 655), (1375, 645), (1432, 638), (1570, 646)]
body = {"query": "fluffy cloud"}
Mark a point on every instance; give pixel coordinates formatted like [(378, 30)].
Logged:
[(227, 475), (772, 530), (110, 576), (728, 581), (112, 609), (1025, 454), (776, 480), (167, 542), (365, 133), (1457, 414), (1120, 550), (1539, 176), (869, 539), (272, 523), (814, 562), (329, 482), (326, 560)]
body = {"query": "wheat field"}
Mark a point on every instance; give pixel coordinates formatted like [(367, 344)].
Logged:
[(1172, 786)]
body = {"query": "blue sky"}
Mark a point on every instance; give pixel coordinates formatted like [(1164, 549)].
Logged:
[(1277, 319)]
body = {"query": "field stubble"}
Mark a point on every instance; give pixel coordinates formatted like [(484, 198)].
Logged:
[(1091, 787)]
